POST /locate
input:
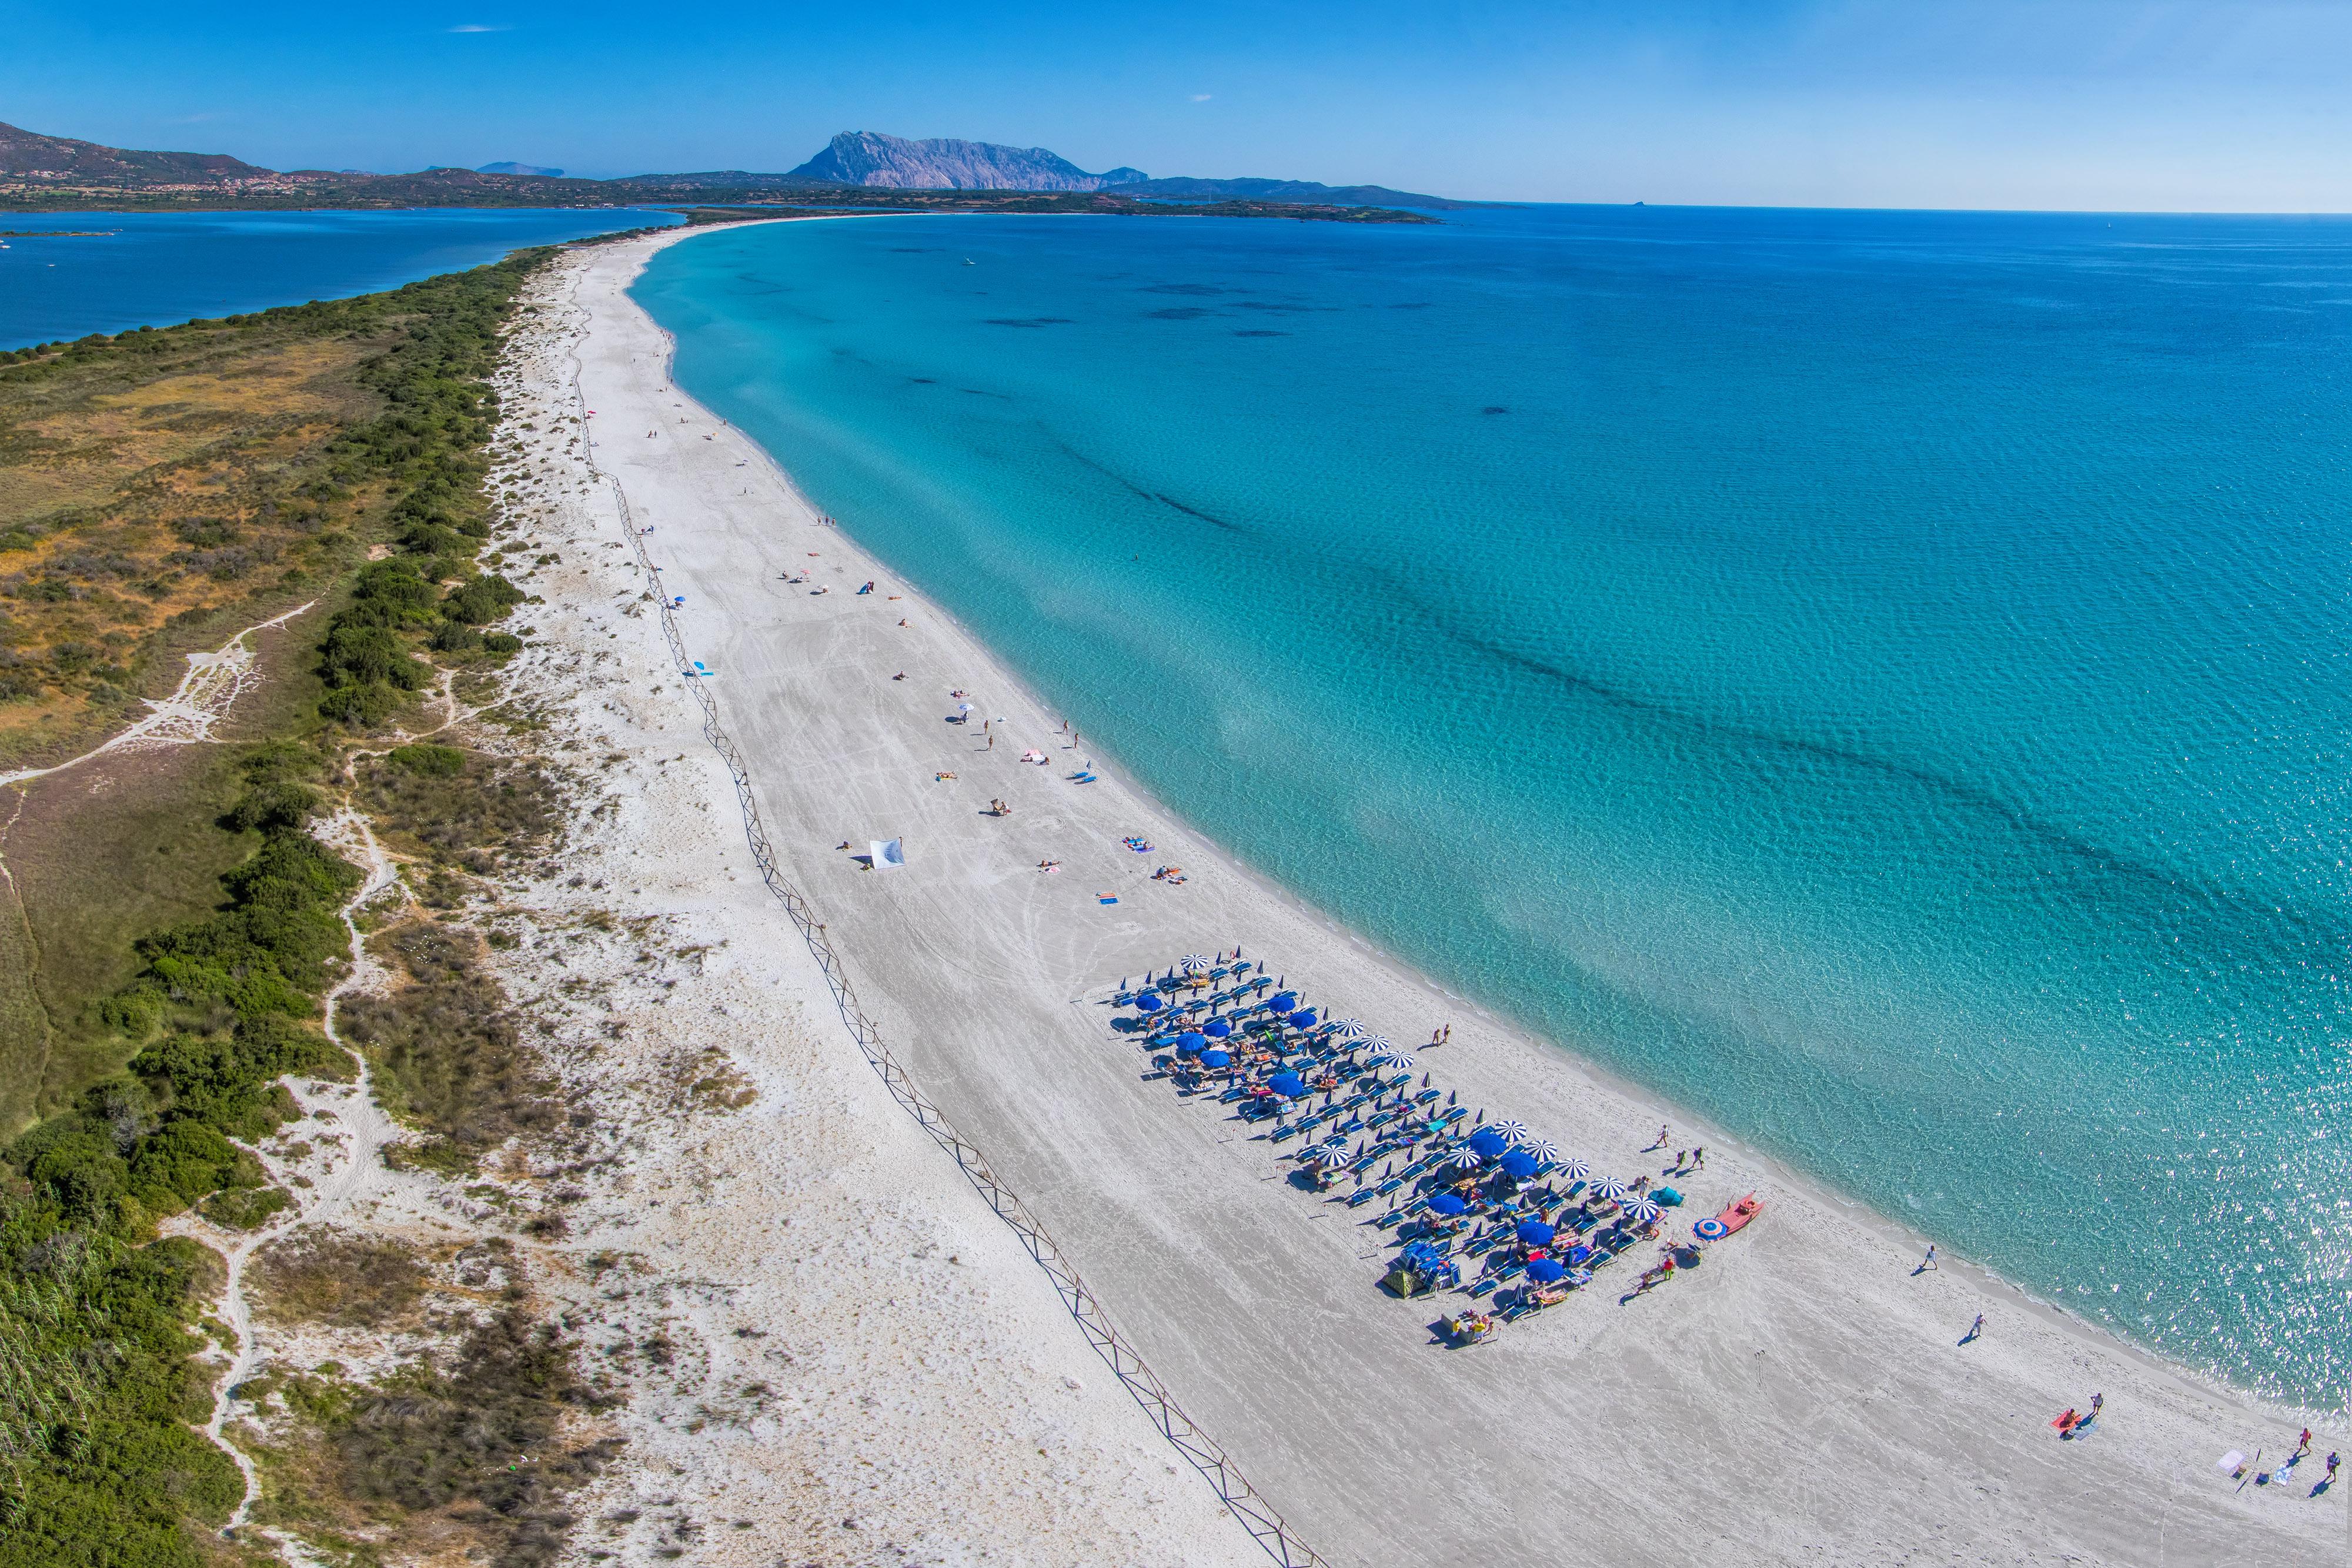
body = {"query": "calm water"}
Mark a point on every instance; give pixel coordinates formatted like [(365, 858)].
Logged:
[(1880, 679), (158, 268)]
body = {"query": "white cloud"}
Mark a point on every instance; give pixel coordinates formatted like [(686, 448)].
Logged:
[(1201, 97), (480, 27)]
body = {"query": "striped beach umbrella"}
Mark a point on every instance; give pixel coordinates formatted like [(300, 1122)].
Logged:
[(1193, 964), (1514, 1131), (1351, 1030), (1609, 1187), (1330, 1159), (1574, 1170), (1641, 1211), (1465, 1159), (1545, 1150)]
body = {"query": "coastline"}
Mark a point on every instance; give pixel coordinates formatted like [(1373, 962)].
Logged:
[(1812, 1246)]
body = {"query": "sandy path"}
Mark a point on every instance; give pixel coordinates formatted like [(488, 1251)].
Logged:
[(1802, 1397)]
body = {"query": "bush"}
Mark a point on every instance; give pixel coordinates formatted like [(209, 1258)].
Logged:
[(435, 761)]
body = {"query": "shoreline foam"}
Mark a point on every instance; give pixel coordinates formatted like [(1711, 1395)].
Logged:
[(2201, 1419)]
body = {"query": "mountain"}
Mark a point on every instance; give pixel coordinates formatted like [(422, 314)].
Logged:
[(1184, 190), (511, 167), (26, 155), (870, 158)]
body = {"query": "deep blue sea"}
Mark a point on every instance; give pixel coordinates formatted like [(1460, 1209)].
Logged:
[(155, 269), (1880, 679)]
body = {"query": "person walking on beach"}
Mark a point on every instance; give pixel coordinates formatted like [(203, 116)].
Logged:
[(1698, 1159), (2304, 1447), (1976, 1329), (1665, 1135), (1928, 1261)]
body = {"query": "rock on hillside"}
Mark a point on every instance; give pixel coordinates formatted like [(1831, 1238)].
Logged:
[(870, 158)]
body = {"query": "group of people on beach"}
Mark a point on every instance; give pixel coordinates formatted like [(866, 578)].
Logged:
[(1470, 1205)]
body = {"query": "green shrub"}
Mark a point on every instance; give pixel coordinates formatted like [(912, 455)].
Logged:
[(434, 761)]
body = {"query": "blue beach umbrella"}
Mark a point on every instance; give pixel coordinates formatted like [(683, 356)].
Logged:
[(1303, 1019), (1216, 1059), (1282, 1001), (1546, 1270), (1188, 1041), (1536, 1233), (1489, 1142), (1446, 1203), (1518, 1164), (1216, 1029), (1289, 1085), (1147, 1003)]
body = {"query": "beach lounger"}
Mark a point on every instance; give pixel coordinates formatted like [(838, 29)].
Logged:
[(1390, 1185), (1425, 1096), (1482, 1286), (1361, 1196)]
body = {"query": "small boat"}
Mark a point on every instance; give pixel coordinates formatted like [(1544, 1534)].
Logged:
[(1737, 1216), (969, 262)]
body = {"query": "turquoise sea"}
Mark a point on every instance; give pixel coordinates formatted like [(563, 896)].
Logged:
[(1879, 679), (156, 269)]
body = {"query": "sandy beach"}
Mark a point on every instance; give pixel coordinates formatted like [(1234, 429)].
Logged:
[(1802, 1396)]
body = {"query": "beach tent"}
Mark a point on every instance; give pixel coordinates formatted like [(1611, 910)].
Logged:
[(1546, 1270), (889, 854), (1446, 1203), (1216, 1059), (1535, 1232)]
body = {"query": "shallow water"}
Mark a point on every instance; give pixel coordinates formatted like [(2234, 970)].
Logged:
[(1879, 679), (155, 269)]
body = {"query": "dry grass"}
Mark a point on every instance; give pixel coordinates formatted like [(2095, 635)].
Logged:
[(337, 1278), (450, 1057)]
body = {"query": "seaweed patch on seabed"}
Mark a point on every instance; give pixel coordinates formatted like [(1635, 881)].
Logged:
[(1179, 313)]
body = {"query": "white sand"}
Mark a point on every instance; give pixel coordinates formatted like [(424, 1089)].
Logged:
[(1799, 1398)]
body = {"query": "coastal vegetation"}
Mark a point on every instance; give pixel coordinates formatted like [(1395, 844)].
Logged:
[(162, 488)]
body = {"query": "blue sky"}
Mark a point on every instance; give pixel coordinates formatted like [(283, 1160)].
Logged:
[(2083, 104)]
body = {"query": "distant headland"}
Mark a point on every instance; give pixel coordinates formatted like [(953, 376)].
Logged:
[(859, 169)]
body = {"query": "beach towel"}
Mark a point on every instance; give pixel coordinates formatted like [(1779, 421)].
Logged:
[(889, 854), (2229, 1463)]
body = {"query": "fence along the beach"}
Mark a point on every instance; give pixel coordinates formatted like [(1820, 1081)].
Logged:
[(1202, 1451)]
